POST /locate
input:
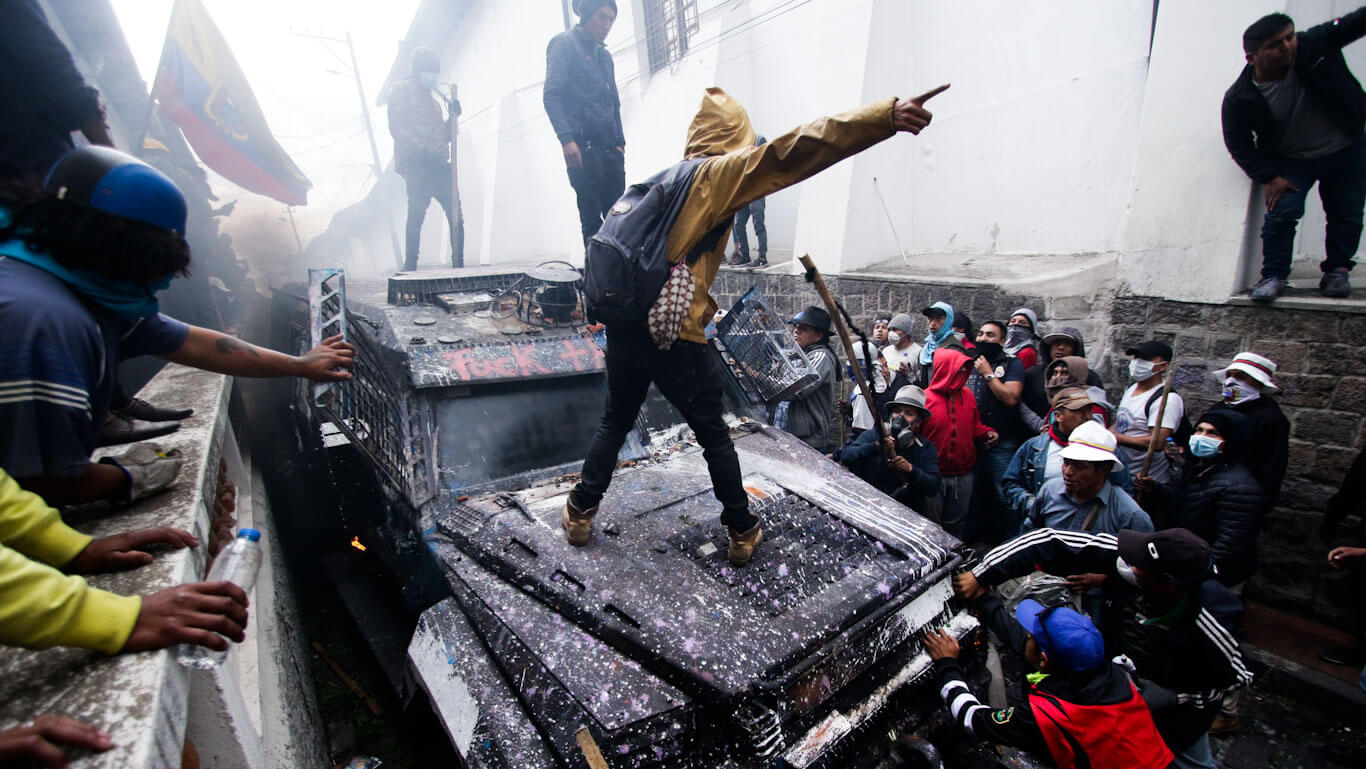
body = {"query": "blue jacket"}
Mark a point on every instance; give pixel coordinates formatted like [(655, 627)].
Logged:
[(1024, 477), (864, 458)]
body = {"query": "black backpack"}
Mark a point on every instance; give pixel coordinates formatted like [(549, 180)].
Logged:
[(627, 261), (1184, 429)]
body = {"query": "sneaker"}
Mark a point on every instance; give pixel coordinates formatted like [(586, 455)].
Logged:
[(138, 408), (1225, 725), (742, 545), (577, 525), (736, 261), (119, 429), (1335, 285), (1267, 289)]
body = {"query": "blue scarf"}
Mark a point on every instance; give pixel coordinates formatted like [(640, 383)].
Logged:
[(936, 338), (127, 300)]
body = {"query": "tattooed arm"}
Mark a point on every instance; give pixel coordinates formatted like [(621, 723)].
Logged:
[(213, 351)]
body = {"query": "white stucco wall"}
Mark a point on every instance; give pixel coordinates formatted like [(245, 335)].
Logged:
[(1061, 134)]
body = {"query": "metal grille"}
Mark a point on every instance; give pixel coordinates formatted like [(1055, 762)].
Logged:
[(415, 289), (387, 427), (757, 345), (811, 550), (668, 26)]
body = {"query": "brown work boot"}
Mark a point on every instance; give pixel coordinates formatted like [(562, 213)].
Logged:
[(1225, 725), (578, 525), (742, 546)]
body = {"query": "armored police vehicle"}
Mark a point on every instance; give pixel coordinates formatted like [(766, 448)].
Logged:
[(475, 394)]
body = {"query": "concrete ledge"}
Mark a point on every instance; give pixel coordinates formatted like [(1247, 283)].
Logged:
[(1308, 299), (141, 700)]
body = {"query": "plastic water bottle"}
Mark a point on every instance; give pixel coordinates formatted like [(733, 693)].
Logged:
[(237, 563)]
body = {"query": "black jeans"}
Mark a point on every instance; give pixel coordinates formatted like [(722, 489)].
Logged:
[(1341, 177), (598, 185), (426, 180), (689, 376)]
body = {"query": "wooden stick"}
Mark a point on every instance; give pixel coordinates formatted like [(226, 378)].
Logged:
[(1156, 430), (348, 680), (843, 331), (591, 753)]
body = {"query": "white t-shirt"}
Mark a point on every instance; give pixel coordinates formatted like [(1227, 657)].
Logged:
[(1132, 418), (897, 358)]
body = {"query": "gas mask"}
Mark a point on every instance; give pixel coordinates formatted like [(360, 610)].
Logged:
[(900, 429)]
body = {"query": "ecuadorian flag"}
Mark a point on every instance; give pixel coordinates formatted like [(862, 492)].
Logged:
[(201, 88)]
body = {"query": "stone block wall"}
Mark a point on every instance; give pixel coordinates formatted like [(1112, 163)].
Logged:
[(1322, 359)]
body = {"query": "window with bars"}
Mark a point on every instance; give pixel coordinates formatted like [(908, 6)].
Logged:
[(668, 25)]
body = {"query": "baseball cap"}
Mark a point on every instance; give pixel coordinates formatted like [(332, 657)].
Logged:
[(1151, 349), (1179, 554), (1072, 398), (1070, 639)]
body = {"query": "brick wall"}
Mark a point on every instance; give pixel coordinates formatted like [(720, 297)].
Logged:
[(1322, 375)]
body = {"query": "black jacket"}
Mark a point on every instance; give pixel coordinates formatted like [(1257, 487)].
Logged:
[(1268, 447), (1221, 503), (42, 95), (1250, 130), (863, 456), (1194, 654), (580, 94)]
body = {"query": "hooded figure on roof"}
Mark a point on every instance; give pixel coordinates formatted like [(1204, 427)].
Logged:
[(723, 170)]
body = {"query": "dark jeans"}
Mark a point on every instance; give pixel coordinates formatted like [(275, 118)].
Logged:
[(1341, 177), (991, 519), (598, 185), (427, 180), (742, 217), (689, 376)]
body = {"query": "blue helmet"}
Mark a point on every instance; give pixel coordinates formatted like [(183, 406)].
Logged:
[(119, 184)]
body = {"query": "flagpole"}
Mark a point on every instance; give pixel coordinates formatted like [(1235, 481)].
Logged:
[(151, 98)]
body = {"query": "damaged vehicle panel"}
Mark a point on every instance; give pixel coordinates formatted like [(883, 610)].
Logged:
[(475, 394)]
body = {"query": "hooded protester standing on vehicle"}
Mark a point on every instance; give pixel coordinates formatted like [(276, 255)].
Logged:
[(954, 427), (733, 172)]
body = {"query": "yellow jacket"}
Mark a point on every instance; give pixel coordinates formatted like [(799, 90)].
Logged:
[(740, 173), (39, 605)]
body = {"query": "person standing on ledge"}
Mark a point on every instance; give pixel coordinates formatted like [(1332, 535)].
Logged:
[(1292, 118), (581, 101)]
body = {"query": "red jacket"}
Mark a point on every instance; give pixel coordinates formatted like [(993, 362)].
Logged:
[(954, 424)]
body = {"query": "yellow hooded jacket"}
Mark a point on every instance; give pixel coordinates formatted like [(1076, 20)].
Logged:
[(737, 173), (40, 606)]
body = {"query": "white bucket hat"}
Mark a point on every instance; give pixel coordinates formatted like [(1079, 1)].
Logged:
[(1256, 366), (1090, 442)]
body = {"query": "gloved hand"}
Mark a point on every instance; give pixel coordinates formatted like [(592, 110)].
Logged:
[(150, 469)]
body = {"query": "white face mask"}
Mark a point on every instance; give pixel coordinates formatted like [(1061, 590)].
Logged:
[(1126, 572), (1140, 369), (427, 79), (894, 337), (1237, 391), (959, 335)]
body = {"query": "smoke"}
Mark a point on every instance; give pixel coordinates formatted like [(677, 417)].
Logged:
[(264, 244)]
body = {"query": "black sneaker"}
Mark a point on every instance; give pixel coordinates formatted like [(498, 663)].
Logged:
[(1335, 285), (138, 408), (1267, 289)]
